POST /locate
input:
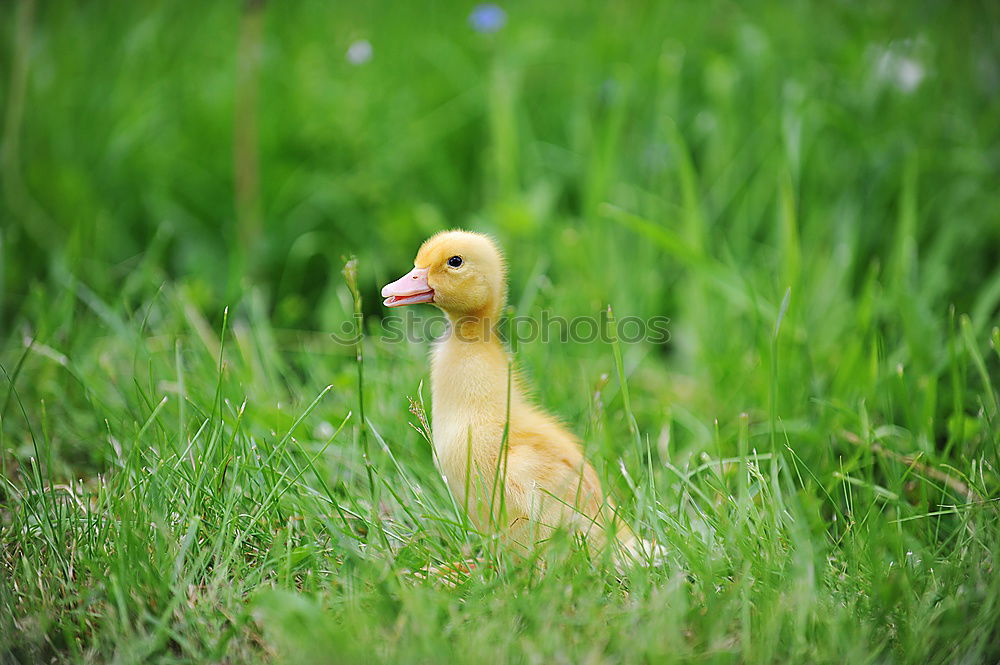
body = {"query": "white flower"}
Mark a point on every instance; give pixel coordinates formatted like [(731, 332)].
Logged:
[(909, 74), (896, 65), (359, 52)]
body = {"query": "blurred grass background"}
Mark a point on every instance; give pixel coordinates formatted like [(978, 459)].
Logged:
[(161, 162), (122, 127)]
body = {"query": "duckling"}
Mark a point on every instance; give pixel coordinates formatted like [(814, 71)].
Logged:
[(515, 468)]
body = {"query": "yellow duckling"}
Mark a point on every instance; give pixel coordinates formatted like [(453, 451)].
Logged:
[(543, 481)]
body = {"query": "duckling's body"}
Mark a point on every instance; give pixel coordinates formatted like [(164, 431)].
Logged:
[(543, 481)]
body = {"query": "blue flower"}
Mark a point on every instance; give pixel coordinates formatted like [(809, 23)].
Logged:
[(487, 18)]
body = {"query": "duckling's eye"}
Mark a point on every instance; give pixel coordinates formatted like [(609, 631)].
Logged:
[(455, 261)]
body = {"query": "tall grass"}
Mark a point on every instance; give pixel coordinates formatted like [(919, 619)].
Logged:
[(193, 469)]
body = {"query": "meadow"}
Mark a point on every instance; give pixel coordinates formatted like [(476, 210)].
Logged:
[(200, 201)]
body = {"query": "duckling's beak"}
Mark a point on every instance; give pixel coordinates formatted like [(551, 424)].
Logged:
[(410, 289)]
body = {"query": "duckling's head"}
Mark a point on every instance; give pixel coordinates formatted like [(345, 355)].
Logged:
[(461, 272)]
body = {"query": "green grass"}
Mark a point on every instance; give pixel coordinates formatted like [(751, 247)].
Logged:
[(186, 473)]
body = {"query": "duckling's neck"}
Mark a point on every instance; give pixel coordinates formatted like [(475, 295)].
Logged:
[(474, 329)]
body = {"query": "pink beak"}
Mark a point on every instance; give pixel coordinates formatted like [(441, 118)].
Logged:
[(410, 289)]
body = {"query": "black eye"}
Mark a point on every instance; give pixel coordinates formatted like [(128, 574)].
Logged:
[(455, 261)]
